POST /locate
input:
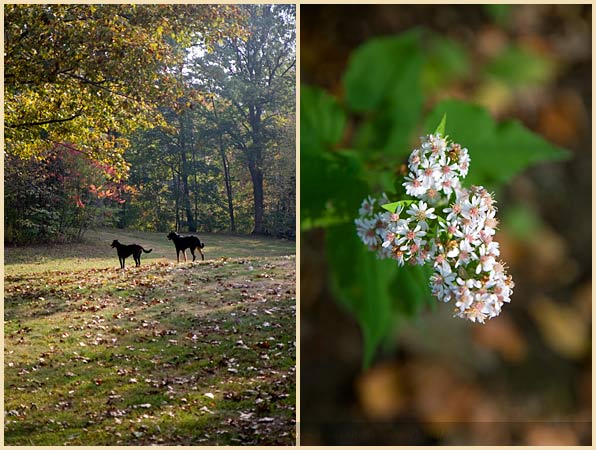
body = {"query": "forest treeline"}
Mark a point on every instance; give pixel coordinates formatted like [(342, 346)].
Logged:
[(152, 117)]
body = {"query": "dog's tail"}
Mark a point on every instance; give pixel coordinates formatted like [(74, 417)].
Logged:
[(146, 251), (202, 245)]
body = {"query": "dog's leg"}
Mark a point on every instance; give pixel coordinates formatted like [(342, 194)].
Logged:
[(178, 255), (192, 250), (201, 252), (184, 251)]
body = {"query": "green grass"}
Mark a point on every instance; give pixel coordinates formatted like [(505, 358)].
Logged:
[(189, 353), (96, 252)]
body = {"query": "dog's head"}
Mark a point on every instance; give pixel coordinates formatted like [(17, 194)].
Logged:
[(172, 235), (115, 243)]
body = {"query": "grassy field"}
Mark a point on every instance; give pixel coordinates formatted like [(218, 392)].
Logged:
[(190, 353)]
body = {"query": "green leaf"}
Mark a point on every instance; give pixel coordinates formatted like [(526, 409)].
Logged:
[(362, 284), (375, 68), (497, 151), (446, 61), (392, 207), (441, 127), (376, 292), (322, 121), (383, 81), (331, 187), (411, 290), (519, 66)]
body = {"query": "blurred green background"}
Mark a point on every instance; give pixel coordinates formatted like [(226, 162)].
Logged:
[(525, 376)]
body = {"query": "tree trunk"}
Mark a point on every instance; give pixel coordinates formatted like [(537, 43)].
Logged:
[(255, 160), (122, 221), (176, 190), (194, 175), (226, 167), (256, 175), (228, 183), (192, 225)]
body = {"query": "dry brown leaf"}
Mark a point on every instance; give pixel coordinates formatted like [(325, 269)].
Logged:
[(563, 327), (495, 96), (504, 337), (380, 391), (442, 398), (563, 119), (550, 434), (549, 256), (491, 41)]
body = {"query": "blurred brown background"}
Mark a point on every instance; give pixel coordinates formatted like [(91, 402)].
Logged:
[(524, 377)]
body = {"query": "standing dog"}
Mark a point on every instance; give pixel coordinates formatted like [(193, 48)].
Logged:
[(124, 251), (184, 242)]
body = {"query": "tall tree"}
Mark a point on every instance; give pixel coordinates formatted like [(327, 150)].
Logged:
[(257, 75), (218, 119)]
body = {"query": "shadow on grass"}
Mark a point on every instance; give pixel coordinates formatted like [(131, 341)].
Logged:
[(95, 251), (102, 356)]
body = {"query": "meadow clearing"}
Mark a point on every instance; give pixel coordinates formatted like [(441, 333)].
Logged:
[(166, 353)]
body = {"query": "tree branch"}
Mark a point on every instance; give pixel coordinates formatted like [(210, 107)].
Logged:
[(289, 67), (98, 85), (46, 122)]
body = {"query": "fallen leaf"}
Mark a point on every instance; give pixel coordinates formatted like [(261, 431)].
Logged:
[(563, 327), (380, 391), (504, 337)]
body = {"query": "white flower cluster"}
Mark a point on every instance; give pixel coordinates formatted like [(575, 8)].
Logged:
[(435, 169), (457, 243)]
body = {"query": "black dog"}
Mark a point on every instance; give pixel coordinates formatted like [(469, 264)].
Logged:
[(184, 242), (124, 251)]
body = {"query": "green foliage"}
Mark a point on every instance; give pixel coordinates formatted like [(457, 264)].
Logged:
[(56, 198), (225, 161), (445, 61), (157, 93), (322, 126), (392, 207), (498, 151), (522, 222), (86, 74), (371, 289), (382, 82), (500, 13), (519, 67), (362, 284), (341, 174), (376, 71), (339, 168), (441, 127), (254, 79), (322, 119)]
